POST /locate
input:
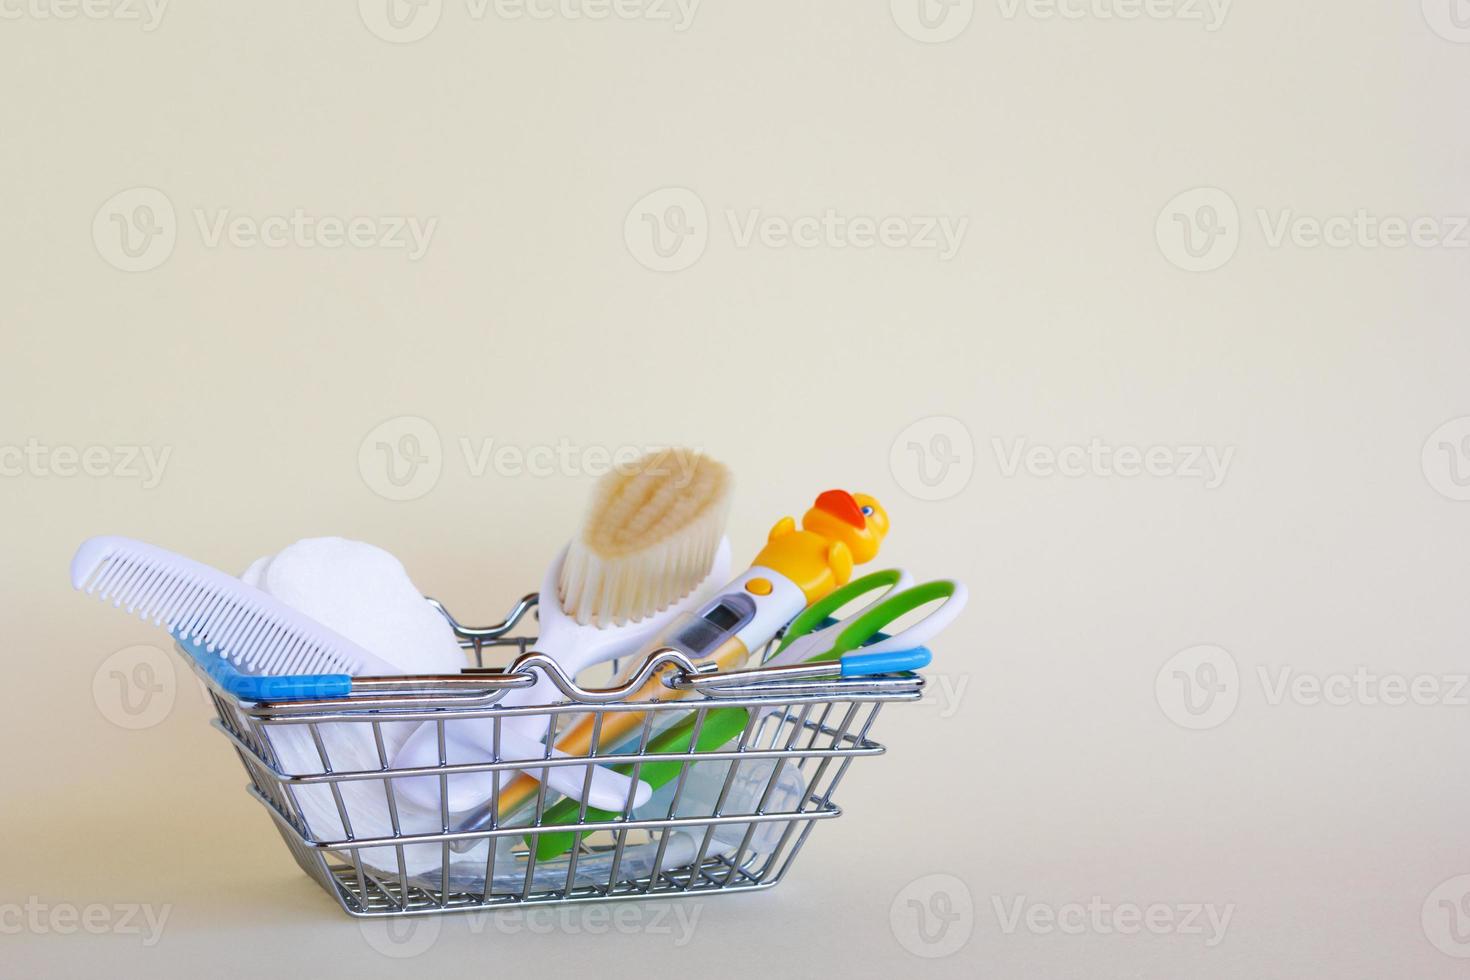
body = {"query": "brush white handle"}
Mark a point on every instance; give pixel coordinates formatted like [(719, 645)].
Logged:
[(573, 646), (576, 647)]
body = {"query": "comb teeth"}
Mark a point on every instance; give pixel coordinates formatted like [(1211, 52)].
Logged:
[(650, 538), (195, 602)]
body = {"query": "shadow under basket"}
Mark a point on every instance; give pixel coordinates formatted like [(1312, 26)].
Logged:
[(741, 772)]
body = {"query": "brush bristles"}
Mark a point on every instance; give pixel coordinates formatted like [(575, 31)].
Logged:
[(650, 538), (201, 604)]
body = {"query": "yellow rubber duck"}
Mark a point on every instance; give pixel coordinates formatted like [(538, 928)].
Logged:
[(841, 530)]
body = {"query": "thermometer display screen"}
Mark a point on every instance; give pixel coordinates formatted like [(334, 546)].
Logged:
[(722, 617)]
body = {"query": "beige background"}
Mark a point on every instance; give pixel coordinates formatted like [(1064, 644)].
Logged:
[(1046, 767)]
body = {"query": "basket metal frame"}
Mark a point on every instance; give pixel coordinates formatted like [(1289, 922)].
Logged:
[(796, 717)]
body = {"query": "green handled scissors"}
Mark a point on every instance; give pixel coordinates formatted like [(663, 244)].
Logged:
[(813, 637)]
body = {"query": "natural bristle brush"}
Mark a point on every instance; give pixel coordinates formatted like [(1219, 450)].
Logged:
[(651, 549), (649, 540)]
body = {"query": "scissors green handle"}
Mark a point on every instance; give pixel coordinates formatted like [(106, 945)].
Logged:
[(814, 617), (808, 640)]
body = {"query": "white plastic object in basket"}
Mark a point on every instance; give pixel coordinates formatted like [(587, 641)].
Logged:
[(196, 602), (575, 648)]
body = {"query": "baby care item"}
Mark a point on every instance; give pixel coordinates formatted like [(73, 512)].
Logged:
[(651, 548), (320, 606), (796, 567)]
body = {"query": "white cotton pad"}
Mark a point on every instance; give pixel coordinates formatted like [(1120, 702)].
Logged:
[(364, 593), (255, 574)]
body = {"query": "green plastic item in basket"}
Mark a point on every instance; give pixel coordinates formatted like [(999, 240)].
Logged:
[(720, 726)]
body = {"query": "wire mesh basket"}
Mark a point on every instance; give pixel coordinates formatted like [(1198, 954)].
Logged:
[(745, 764)]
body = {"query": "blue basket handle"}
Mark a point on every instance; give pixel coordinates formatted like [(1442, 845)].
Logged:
[(896, 661)]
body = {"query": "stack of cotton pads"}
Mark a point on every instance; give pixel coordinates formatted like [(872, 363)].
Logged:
[(365, 594)]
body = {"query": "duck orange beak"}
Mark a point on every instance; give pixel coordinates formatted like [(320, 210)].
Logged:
[(841, 505)]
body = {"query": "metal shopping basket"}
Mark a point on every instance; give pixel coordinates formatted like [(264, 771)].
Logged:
[(733, 817)]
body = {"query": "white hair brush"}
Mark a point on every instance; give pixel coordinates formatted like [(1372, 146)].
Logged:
[(652, 548)]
